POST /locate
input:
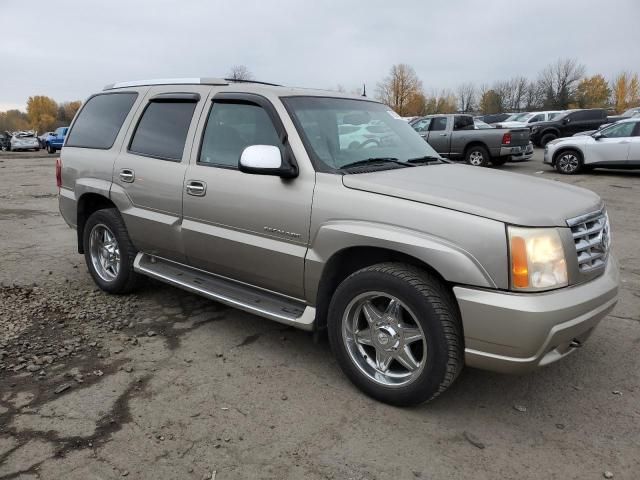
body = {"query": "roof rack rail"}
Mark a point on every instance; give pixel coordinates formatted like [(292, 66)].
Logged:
[(169, 81), (252, 81)]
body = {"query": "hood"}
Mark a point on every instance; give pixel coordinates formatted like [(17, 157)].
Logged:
[(508, 197), (577, 139)]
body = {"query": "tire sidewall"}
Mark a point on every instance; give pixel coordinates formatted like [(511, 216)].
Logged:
[(481, 150), (427, 384), (111, 219), (546, 138), (574, 153)]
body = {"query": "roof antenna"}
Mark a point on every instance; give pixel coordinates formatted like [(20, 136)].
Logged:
[(364, 90)]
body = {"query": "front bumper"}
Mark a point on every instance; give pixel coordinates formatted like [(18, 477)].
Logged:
[(515, 332), (517, 153)]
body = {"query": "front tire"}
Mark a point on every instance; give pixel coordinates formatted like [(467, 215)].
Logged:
[(569, 162), (396, 333), (546, 138), (477, 156), (109, 253), (50, 149)]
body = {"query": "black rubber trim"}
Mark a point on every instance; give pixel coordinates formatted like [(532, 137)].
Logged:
[(186, 97)]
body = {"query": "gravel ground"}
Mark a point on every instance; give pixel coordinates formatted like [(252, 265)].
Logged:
[(164, 384)]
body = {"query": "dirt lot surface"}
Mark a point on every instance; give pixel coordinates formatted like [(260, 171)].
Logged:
[(164, 384)]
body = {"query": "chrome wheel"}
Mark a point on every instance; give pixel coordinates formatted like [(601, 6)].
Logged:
[(568, 163), (105, 252), (384, 339), (476, 158)]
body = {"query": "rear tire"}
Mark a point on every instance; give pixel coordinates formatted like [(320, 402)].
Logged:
[(477, 156), (546, 138), (109, 253), (569, 162), (370, 337)]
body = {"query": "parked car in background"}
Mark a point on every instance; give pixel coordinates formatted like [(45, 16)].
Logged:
[(454, 136), (43, 139), (414, 267), (566, 124), (5, 141), (527, 118), (24, 141), (55, 141), (494, 117), (616, 146), (604, 125), (630, 113), (480, 125)]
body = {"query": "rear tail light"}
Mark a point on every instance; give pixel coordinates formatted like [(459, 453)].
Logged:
[(59, 172), (506, 139)]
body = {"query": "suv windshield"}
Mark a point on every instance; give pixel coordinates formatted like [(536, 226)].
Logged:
[(339, 132)]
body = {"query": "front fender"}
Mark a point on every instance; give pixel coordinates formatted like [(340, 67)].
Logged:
[(451, 261)]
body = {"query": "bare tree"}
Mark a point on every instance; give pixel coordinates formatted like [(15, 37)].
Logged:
[(399, 87), (559, 81), (466, 96), (239, 72), (534, 96)]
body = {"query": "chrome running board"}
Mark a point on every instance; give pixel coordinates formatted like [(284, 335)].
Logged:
[(241, 296)]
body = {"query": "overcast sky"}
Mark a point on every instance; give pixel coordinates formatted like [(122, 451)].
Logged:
[(68, 49)]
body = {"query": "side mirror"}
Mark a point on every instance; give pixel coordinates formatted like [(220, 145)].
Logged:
[(54, 134), (266, 160), (597, 135), (565, 121)]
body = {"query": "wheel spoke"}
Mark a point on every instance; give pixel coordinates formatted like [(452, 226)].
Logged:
[(383, 359), (363, 337), (406, 359), (371, 313), (411, 335), (393, 310)]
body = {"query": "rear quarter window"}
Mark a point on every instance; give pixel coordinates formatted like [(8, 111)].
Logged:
[(100, 120)]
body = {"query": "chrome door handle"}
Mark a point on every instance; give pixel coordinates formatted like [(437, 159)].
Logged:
[(127, 175), (196, 188), (443, 134)]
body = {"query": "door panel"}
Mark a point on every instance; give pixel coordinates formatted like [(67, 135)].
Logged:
[(439, 135), (251, 228), (634, 151), (151, 184)]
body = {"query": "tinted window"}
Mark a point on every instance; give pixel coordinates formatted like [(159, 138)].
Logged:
[(536, 118), (620, 130), (463, 123), (100, 120), (439, 123), (586, 115), (231, 128), (422, 125), (162, 130)]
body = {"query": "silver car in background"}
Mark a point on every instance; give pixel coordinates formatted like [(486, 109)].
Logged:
[(615, 146), (24, 141)]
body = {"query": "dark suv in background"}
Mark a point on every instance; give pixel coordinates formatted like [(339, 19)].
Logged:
[(5, 141), (567, 124)]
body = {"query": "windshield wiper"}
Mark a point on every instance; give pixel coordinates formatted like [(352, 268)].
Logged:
[(376, 160), (426, 160)]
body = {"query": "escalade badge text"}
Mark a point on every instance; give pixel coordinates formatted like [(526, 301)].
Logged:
[(279, 231)]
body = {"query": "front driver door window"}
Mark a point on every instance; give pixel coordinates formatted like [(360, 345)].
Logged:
[(253, 228), (613, 144)]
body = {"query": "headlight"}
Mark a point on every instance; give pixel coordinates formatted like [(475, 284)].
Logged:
[(537, 259)]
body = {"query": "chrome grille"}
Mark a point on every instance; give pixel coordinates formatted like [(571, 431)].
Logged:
[(592, 237)]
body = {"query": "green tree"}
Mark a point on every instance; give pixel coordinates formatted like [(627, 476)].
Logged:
[(491, 102)]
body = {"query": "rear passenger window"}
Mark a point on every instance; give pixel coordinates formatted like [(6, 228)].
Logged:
[(100, 120), (162, 130), (462, 123), (231, 128)]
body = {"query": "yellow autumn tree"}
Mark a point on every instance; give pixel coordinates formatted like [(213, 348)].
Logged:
[(42, 111), (626, 91), (593, 92)]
